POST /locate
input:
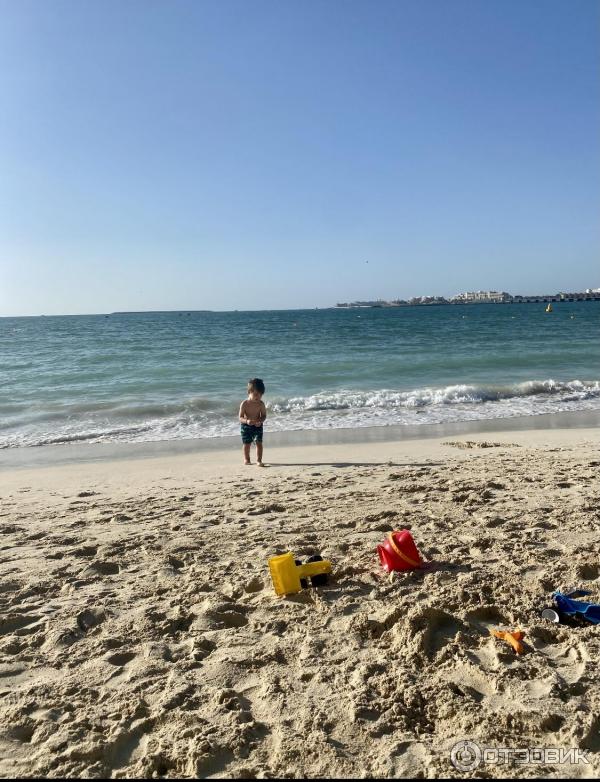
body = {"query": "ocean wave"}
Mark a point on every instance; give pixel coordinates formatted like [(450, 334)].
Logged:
[(205, 418), (90, 436), (189, 406), (128, 410), (448, 395)]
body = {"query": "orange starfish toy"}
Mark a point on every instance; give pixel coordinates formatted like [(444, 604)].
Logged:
[(513, 638)]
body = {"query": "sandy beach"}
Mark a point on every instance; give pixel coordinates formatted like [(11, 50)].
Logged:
[(140, 634)]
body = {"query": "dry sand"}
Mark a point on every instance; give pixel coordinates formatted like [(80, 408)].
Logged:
[(140, 635)]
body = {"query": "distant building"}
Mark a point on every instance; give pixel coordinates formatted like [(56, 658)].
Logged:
[(378, 303), (472, 297), (428, 300)]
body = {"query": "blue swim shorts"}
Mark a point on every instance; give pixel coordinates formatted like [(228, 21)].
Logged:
[(251, 434)]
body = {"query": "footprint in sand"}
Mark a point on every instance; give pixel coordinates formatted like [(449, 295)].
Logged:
[(569, 659), (119, 659), (175, 562), (220, 616), (470, 680), (426, 631), (10, 586), (588, 571), (127, 747), (103, 568), (19, 624), (227, 618), (10, 529), (484, 617), (120, 518), (55, 555), (272, 508), (90, 618), (254, 585), (36, 536), (201, 648), (84, 551)]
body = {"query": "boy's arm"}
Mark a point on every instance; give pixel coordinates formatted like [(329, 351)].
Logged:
[(263, 412), (243, 417)]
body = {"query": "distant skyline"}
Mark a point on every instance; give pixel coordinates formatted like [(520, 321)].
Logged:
[(225, 155), (383, 298)]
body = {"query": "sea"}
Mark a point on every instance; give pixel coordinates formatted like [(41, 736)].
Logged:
[(153, 376)]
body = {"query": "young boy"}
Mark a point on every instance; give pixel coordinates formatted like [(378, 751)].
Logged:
[(252, 416)]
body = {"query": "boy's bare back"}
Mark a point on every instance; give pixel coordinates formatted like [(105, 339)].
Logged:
[(254, 410)]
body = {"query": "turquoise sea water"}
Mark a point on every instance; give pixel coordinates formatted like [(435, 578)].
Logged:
[(159, 376)]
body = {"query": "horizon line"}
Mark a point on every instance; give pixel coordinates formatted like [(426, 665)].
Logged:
[(268, 309)]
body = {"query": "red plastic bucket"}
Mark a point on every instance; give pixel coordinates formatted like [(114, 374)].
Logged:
[(399, 552)]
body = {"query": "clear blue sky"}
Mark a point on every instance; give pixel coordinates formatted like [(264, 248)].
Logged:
[(196, 154)]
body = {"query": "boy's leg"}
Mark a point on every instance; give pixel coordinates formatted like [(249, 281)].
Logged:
[(259, 452), (246, 452)]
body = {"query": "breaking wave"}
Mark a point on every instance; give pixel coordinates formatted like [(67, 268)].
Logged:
[(205, 418), (450, 395)]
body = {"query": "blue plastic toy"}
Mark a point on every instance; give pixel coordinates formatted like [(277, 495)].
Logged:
[(577, 609)]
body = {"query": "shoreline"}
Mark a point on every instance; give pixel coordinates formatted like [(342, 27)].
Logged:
[(29, 457)]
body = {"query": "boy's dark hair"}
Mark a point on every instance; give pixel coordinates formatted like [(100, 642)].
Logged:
[(256, 384)]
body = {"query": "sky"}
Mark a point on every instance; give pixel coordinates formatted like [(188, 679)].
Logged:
[(274, 154)]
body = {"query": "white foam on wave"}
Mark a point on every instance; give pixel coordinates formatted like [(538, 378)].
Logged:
[(425, 397), (331, 409)]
